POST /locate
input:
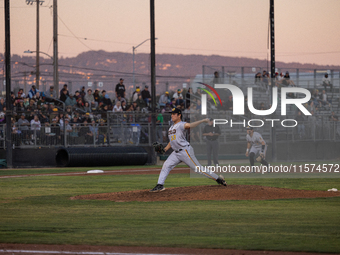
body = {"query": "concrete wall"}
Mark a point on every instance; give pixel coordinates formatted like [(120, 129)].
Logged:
[(286, 151)]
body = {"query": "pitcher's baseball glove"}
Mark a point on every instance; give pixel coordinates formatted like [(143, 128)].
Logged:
[(259, 158), (159, 148)]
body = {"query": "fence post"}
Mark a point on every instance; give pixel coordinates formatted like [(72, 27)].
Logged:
[(108, 129), (149, 136), (314, 78)]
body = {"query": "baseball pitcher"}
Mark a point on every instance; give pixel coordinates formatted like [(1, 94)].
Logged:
[(182, 151)]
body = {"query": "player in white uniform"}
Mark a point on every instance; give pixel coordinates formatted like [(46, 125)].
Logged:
[(256, 147), (182, 151)]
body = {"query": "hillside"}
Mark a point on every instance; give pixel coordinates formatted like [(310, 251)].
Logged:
[(108, 67)]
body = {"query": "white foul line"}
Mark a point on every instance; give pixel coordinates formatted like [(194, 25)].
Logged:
[(77, 252), (84, 173)]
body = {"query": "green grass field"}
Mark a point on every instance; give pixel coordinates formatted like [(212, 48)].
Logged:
[(37, 209)]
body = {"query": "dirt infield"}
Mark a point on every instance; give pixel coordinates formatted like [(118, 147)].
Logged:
[(211, 192)]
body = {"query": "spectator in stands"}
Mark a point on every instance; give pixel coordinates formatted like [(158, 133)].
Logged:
[(198, 93), (133, 94), (35, 127), (120, 99), (26, 102), (136, 94), (107, 101), (82, 93), (325, 100), (12, 98), (326, 81), (265, 78), (333, 117), (173, 103), (51, 108), (229, 103), (68, 129), (86, 132), (94, 128), (120, 88), (37, 96), (75, 120), (316, 97), (179, 100), (43, 117), (64, 95), (102, 132), (16, 134), (21, 106), (134, 106), (32, 92), (90, 99), (41, 101), (278, 79), (286, 81), (146, 95), (96, 96), (71, 101), (258, 78), (21, 94), (51, 93), (118, 107), (77, 95), (216, 79), (164, 99), (55, 129), (61, 118), (32, 105), (2, 104), (63, 89), (80, 105), (198, 106), (311, 107), (124, 106), (301, 125), (23, 124), (178, 94), (141, 103), (87, 107)]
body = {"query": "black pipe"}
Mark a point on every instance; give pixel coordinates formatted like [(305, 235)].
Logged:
[(102, 156)]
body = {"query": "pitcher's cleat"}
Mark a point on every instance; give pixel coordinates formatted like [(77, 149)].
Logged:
[(158, 188), (221, 180)]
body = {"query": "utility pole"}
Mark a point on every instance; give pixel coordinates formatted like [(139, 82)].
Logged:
[(9, 155), (272, 70), (55, 47), (37, 75), (153, 69)]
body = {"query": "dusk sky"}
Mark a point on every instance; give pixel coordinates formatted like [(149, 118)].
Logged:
[(307, 31)]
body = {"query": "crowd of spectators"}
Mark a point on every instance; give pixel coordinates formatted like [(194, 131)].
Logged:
[(47, 115), (85, 111)]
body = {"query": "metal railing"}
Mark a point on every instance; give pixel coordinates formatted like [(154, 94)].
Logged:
[(134, 129)]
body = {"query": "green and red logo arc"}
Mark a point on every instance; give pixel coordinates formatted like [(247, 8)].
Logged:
[(209, 93)]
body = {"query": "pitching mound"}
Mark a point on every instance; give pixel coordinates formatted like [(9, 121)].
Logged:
[(213, 192)]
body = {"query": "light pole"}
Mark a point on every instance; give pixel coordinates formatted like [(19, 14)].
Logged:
[(55, 75), (30, 2), (133, 59)]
